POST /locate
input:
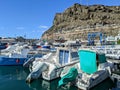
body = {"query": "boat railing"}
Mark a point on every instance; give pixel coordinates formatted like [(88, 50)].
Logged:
[(70, 64)]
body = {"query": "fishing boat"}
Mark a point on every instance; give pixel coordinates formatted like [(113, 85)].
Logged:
[(14, 58), (50, 68), (92, 70), (17, 54)]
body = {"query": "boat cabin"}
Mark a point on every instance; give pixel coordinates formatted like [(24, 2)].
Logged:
[(66, 56)]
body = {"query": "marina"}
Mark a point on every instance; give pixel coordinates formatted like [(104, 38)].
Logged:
[(60, 45), (64, 64), (68, 66)]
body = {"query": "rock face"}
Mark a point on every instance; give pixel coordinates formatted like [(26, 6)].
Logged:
[(77, 21)]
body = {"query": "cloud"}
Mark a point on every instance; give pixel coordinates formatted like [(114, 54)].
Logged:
[(43, 31), (20, 28), (43, 27), (35, 31)]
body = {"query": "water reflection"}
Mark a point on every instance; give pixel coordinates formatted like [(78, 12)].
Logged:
[(50, 85), (13, 77), (105, 85), (44, 85), (12, 73), (53, 85)]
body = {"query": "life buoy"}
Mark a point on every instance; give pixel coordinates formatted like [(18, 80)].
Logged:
[(17, 61), (38, 46)]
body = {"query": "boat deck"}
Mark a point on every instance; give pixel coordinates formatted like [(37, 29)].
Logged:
[(113, 60)]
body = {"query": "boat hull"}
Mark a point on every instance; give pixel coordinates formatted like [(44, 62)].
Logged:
[(11, 61), (92, 81), (46, 46)]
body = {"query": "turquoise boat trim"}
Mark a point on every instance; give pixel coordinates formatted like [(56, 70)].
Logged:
[(88, 61)]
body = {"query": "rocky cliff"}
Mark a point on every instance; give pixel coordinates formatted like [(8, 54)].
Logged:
[(78, 20)]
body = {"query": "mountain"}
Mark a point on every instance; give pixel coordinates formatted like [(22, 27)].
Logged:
[(79, 20)]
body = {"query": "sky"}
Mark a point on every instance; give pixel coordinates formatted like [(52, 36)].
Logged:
[(31, 18)]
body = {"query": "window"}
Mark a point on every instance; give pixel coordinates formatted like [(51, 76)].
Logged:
[(74, 55)]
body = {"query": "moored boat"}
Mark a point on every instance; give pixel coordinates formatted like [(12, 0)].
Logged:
[(14, 58), (92, 70), (53, 64), (65, 57)]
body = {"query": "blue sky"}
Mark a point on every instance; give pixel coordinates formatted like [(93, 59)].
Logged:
[(33, 17)]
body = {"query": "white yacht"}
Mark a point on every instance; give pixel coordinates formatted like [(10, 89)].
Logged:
[(92, 69), (50, 68)]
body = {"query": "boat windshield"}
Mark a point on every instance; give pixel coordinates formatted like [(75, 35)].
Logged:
[(74, 54)]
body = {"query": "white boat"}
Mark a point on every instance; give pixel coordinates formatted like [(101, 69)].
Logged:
[(64, 57), (9, 49), (92, 70), (17, 57), (110, 51), (16, 48), (54, 64), (116, 79), (38, 66), (113, 54)]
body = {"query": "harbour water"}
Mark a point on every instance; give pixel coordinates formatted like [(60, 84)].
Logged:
[(13, 78)]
